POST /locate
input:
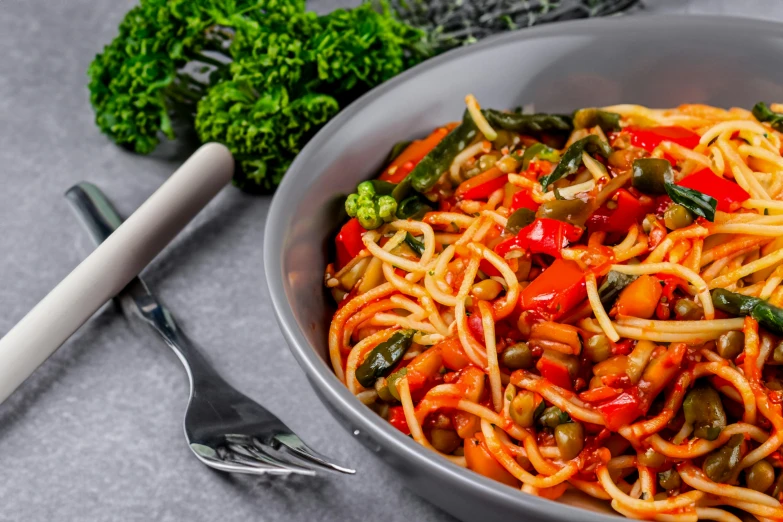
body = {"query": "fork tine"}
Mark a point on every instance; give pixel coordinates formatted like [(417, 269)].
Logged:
[(258, 455), (239, 454), (241, 467), (296, 446)]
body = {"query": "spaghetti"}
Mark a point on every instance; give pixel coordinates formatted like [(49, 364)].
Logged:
[(586, 302)]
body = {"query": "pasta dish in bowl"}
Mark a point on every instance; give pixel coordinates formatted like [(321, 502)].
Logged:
[(589, 301)]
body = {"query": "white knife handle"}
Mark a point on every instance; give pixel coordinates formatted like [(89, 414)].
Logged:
[(112, 265)]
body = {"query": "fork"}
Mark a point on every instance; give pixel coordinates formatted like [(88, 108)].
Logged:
[(224, 428)]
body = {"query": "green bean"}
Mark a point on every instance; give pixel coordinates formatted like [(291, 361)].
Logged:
[(572, 158), (517, 357), (522, 409), (413, 207), (592, 117), (731, 344), (763, 113), (650, 175), (570, 439), (720, 464), (528, 123), (760, 476), (703, 408), (384, 357), (768, 316), (414, 244), (391, 382), (677, 216), (669, 479), (521, 218), (553, 416), (428, 171)]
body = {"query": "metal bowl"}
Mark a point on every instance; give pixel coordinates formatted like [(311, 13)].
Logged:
[(651, 60)]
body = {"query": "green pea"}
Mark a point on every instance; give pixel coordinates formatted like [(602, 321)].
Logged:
[(366, 189), (669, 480), (517, 357), (368, 217), (720, 464), (703, 408), (553, 416), (731, 344), (677, 216), (352, 204), (523, 409), (598, 348), (651, 459), (445, 441), (487, 161), (688, 310), (570, 439), (760, 476), (387, 207)]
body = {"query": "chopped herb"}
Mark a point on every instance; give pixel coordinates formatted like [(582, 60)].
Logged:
[(697, 202)]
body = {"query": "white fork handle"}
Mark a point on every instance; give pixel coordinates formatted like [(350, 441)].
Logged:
[(112, 265)]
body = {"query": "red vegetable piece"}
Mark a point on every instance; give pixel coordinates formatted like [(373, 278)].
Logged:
[(728, 194), (349, 242), (630, 209), (556, 291), (522, 199), (542, 236), (397, 419), (649, 138), (622, 410), (485, 189), (554, 372)]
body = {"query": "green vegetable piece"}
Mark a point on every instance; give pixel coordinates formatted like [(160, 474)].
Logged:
[(384, 357), (592, 117), (677, 216), (720, 464), (650, 175), (368, 217), (768, 316), (415, 245), (539, 150), (382, 188), (427, 172), (731, 344), (574, 211), (553, 417), (688, 310), (703, 408), (387, 208), (572, 158), (522, 409), (612, 286), (760, 476), (521, 218), (763, 113), (352, 204), (695, 201), (365, 189), (528, 123), (391, 382), (413, 207), (669, 479), (570, 439), (517, 356)]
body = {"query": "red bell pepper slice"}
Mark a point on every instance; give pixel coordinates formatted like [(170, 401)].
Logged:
[(556, 291), (728, 194), (629, 210), (554, 372), (622, 410), (542, 236), (397, 419), (522, 199), (349, 242), (670, 284), (489, 269), (485, 189), (651, 137)]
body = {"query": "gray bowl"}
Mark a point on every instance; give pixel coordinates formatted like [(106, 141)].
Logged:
[(654, 61)]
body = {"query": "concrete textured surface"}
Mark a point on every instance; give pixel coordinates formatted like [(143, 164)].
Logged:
[(96, 433)]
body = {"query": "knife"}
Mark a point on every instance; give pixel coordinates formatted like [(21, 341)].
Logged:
[(113, 264)]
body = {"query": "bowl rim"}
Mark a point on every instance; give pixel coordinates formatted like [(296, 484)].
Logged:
[(320, 375)]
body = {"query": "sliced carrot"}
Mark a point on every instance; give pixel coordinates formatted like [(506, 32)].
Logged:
[(475, 181), (640, 298), (480, 460)]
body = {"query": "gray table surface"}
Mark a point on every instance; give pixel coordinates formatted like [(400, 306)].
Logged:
[(96, 433)]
